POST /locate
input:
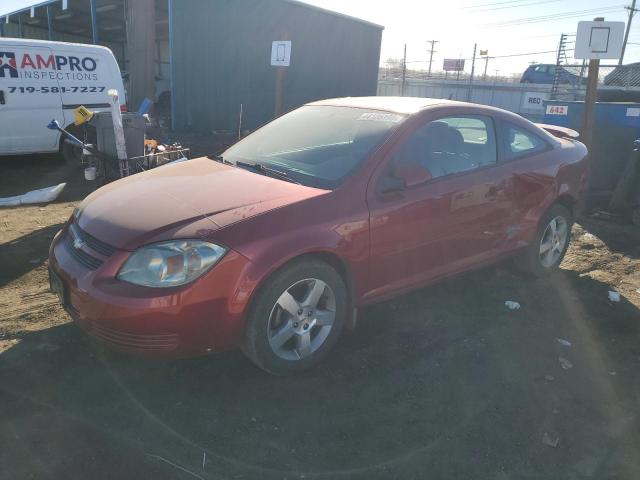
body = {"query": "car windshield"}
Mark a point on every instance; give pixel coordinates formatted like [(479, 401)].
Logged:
[(314, 145)]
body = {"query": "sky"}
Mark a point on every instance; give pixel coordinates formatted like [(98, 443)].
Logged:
[(503, 27)]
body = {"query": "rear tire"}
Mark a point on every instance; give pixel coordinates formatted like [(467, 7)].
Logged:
[(546, 252), (296, 318)]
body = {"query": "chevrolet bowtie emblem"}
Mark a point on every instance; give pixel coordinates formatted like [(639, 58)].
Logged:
[(78, 243)]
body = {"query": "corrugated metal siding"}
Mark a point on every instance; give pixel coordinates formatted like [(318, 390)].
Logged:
[(222, 51)]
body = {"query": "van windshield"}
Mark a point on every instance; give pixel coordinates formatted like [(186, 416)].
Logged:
[(317, 146)]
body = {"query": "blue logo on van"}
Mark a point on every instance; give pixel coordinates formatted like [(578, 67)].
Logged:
[(8, 62)]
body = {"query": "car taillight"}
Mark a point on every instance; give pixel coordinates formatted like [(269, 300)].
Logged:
[(123, 108)]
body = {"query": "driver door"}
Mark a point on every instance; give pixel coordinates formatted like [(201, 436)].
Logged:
[(447, 224)]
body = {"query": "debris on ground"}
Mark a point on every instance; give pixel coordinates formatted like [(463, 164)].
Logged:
[(549, 378), (43, 195), (565, 364), (511, 305), (34, 261), (48, 347), (614, 296), (563, 342), (550, 440)]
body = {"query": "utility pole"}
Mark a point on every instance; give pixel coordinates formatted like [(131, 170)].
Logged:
[(431, 52), (486, 64), (632, 10), (404, 70), (473, 68)]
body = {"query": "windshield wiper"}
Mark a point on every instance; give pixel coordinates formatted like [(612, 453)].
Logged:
[(259, 167), (219, 158)]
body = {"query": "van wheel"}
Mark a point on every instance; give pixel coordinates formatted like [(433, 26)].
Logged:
[(296, 318), (72, 154), (550, 244)]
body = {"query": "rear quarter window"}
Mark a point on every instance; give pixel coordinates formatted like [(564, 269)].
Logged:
[(518, 142)]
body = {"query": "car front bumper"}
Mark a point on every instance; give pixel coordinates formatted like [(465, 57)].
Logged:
[(204, 316)]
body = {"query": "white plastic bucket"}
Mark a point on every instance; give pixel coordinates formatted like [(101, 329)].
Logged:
[(90, 173)]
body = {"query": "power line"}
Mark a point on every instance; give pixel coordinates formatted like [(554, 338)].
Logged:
[(495, 3), (553, 17), (514, 6)]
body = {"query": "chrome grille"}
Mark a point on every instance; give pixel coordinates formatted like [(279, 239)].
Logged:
[(92, 242), (80, 255)]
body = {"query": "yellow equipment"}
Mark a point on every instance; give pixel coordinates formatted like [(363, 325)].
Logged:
[(82, 115)]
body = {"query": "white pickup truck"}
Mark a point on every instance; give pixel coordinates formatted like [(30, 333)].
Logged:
[(41, 81)]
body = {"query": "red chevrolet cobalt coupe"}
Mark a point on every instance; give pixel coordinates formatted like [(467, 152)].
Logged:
[(274, 245)]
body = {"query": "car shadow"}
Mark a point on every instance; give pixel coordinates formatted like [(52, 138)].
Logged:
[(445, 380), (25, 253)]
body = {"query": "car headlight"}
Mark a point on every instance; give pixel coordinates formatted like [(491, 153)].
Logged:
[(169, 264)]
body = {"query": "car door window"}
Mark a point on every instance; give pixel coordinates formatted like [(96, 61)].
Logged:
[(520, 143), (451, 145)]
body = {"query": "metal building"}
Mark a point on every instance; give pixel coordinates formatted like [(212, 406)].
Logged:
[(212, 56), (221, 59)]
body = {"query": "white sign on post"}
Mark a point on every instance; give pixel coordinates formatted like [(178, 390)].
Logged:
[(599, 40), (281, 53)]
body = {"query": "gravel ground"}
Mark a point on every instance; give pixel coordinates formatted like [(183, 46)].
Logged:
[(443, 383)]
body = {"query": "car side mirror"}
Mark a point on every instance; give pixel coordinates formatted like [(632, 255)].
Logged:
[(412, 174)]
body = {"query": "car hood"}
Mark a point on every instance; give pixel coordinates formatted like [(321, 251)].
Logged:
[(192, 199)]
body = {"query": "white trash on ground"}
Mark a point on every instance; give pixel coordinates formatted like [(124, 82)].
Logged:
[(43, 195), (565, 364), (564, 342), (614, 296), (511, 305), (550, 439)]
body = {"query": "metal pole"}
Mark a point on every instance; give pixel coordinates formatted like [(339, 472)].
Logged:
[(590, 99), (473, 68), (431, 52), (49, 23), (632, 11), (486, 64), (94, 21), (404, 70), (172, 85)]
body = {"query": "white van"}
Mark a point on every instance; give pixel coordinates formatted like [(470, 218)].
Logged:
[(41, 81)]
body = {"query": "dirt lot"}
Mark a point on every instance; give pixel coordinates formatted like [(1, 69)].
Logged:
[(443, 383)]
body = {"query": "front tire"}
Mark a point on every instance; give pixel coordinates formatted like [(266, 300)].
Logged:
[(296, 317), (549, 247)]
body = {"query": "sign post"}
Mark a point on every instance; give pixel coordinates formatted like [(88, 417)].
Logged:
[(594, 41), (281, 59)]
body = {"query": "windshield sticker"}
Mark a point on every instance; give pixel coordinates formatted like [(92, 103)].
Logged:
[(380, 117)]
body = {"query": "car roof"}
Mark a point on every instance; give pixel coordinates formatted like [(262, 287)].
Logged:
[(404, 105)]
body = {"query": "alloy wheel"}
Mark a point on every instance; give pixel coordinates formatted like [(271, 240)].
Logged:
[(301, 319), (553, 241)]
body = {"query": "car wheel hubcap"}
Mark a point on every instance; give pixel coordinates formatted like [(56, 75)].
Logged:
[(554, 240), (301, 319)]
